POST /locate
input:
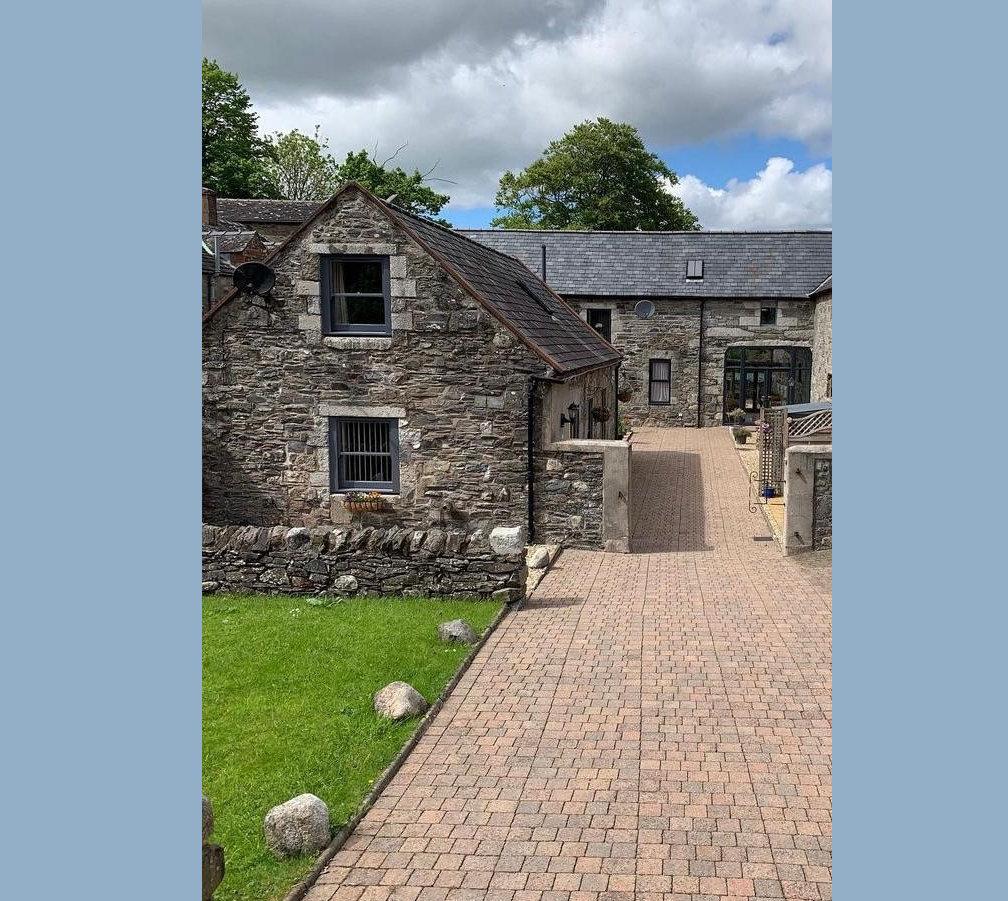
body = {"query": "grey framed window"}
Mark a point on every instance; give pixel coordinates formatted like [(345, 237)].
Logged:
[(768, 314), (660, 382), (601, 321), (363, 454), (356, 298), (694, 269)]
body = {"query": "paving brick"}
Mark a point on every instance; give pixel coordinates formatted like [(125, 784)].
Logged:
[(649, 725)]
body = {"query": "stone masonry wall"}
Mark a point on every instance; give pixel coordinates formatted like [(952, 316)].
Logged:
[(822, 346), (730, 323), (673, 333), (455, 379), (329, 561), (568, 499), (822, 504)]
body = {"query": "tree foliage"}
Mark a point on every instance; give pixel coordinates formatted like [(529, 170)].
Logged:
[(597, 176), (234, 156), (301, 167), (409, 190)]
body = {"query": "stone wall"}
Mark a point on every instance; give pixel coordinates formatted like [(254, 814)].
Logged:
[(568, 499), (733, 323), (456, 380), (323, 560), (582, 495), (808, 497), (822, 504), (673, 333), (822, 348)]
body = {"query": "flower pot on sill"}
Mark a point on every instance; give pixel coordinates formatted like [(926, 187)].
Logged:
[(366, 505)]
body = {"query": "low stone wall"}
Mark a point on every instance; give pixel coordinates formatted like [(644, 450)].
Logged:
[(582, 495), (393, 561), (808, 498), (822, 504)]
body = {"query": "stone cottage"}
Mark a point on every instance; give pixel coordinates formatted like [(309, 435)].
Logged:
[(403, 359), (708, 322)]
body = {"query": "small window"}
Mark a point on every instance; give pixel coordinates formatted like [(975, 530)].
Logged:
[(660, 382), (768, 314), (363, 454), (355, 296), (694, 269), (601, 321)]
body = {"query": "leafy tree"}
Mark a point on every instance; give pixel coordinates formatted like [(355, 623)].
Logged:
[(302, 167), (409, 189), (597, 176), (234, 156)]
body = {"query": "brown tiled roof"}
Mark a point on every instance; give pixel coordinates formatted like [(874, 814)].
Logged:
[(510, 291), (516, 295)]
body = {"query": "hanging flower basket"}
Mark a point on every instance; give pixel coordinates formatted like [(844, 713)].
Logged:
[(624, 395), (365, 502), (601, 414)]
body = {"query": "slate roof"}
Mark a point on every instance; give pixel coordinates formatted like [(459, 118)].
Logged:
[(208, 264), (826, 286), (500, 283), (653, 264), (290, 212), (231, 237), (542, 319)]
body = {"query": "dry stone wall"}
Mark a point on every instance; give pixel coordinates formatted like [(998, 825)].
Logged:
[(822, 504), (323, 560), (822, 347)]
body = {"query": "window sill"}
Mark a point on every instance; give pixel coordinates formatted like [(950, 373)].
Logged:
[(357, 342)]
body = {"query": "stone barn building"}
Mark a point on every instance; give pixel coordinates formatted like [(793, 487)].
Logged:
[(708, 322), (404, 360)]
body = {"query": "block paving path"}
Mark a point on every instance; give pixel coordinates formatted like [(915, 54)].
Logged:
[(653, 725)]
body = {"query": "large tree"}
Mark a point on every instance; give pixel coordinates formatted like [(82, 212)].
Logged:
[(234, 156), (302, 167), (407, 189), (597, 176)]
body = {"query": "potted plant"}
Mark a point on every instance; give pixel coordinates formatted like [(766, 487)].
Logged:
[(365, 502), (741, 435), (736, 416)]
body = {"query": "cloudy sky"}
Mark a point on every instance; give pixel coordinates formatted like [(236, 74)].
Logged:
[(735, 95)]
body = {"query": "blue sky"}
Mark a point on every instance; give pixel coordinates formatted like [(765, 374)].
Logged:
[(714, 163)]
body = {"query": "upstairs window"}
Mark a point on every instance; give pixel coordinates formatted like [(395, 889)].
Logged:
[(355, 295), (694, 269), (601, 321), (768, 314), (660, 382), (363, 454)]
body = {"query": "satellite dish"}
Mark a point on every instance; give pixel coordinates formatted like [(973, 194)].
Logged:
[(254, 278), (643, 310)]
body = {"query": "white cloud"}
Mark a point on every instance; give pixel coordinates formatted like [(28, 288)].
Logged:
[(777, 198), (484, 87)]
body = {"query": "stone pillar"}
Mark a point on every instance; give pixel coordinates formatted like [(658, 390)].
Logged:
[(799, 491), (616, 507), (213, 855)]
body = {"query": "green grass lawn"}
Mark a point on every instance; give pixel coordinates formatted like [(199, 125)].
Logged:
[(287, 709)]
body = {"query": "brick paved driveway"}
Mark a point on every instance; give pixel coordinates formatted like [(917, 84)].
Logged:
[(649, 726)]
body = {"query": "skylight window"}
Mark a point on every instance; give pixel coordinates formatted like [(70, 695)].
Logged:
[(694, 269)]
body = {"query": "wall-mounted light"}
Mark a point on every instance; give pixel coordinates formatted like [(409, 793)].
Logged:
[(571, 419)]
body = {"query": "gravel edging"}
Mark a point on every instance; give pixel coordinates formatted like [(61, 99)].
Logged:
[(302, 888)]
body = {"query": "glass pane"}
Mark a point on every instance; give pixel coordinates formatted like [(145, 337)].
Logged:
[(782, 356), (734, 355), (359, 277), (661, 369), (757, 354), (660, 392), (359, 310), (733, 394), (779, 387)]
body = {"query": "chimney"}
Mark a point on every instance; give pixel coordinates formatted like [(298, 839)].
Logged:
[(209, 207)]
